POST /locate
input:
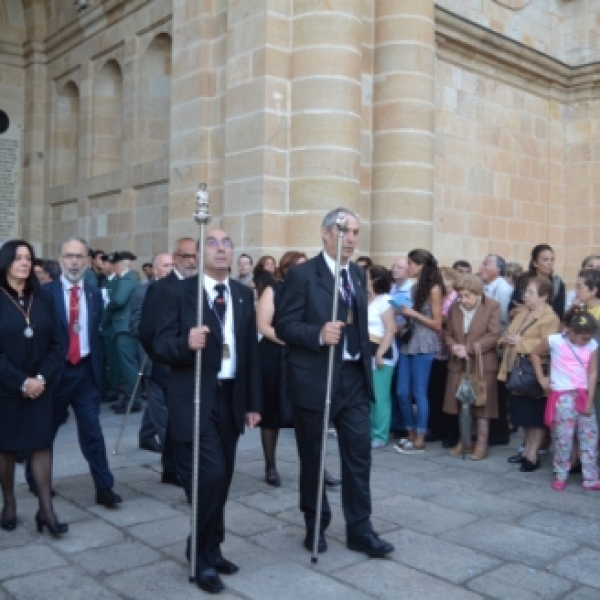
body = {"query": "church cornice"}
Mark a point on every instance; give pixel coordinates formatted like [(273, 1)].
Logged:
[(470, 45)]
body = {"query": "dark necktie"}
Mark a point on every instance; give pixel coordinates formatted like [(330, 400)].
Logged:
[(220, 305), (351, 327)]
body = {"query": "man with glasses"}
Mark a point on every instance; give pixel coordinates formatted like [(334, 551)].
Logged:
[(79, 306), (126, 346), (230, 389), (185, 264)]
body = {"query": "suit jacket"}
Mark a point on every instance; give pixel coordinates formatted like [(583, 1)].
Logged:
[(95, 307), (304, 306), (178, 314), (150, 310), (119, 307)]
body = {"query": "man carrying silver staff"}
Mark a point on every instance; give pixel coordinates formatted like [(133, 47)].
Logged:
[(230, 389), (303, 321)]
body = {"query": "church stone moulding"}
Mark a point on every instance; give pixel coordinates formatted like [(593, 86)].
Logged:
[(513, 4)]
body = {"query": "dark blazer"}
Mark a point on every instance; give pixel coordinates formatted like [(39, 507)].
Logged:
[(146, 331), (119, 307), (178, 313), (95, 307), (304, 306)]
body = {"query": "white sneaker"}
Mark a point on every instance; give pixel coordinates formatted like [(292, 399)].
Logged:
[(409, 448), (377, 445)]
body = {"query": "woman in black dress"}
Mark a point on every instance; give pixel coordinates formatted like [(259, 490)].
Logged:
[(31, 356), (277, 413)]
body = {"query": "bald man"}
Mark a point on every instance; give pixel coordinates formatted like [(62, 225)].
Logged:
[(230, 389)]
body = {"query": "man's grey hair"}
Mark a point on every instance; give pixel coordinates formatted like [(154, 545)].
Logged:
[(331, 217), (73, 238), (186, 238), (500, 264)]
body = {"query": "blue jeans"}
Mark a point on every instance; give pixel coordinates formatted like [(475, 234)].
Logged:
[(413, 377)]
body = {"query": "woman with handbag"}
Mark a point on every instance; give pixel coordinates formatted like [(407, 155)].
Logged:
[(277, 412), (472, 333), (527, 399), (382, 331), (420, 344)]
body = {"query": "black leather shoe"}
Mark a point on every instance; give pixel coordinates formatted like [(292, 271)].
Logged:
[(208, 581), (331, 481), (432, 437), (370, 544), (517, 459), (527, 466), (121, 410), (108, 498), (54, 529), (171, 479), (151, 446), (118, 404), (225, 567), (272, 477), (321, 544)]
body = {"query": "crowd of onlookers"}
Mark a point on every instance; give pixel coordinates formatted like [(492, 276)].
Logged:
[(433, 326)]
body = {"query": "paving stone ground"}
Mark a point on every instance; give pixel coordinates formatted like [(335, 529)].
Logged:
[(462, 530)]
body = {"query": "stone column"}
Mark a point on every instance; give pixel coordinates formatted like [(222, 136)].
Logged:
[(403, 127), (326, 103)]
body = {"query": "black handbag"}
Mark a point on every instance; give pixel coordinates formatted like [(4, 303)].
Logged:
[(407, 332), (387, 354), (523, 380)]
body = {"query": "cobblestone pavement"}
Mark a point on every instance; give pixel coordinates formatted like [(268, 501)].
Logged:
[(462, 530)]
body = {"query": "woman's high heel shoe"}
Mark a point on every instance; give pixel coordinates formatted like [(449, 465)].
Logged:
[(55, 528)]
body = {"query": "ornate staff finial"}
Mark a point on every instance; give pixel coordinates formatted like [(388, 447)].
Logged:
[(202, 201)]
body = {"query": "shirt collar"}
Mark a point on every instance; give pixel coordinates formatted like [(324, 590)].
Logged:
[(331, 264), (209, 283), (178, 274), (67, 285)]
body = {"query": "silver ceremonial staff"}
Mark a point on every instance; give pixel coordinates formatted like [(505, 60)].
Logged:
[(130, 404), (341, 225), (202, 217)]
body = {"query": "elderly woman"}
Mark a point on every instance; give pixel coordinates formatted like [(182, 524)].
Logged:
[(473, 319), (534, 323), (382, 332), (31, 357)]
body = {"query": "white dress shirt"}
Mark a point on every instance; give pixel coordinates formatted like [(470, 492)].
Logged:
[(104, 291), (331, 264), (228, 365), (84, 340)]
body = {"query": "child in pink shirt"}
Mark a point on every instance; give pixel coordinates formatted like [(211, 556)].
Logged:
[(573, 371)]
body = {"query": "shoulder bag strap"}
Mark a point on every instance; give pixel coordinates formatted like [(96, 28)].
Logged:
[(574, 353)]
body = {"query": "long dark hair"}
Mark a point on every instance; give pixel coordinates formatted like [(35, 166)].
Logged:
[(8, 255), (430, 276), (535, 253)]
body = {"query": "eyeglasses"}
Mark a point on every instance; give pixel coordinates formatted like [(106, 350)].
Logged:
[(215, 243), (187, 256), (74, 256)]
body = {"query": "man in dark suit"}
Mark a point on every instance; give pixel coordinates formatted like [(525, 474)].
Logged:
[(230, 389), (185, 264), (154, 421), (119, 312), (303, 322), (79, 307)]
